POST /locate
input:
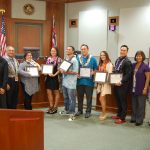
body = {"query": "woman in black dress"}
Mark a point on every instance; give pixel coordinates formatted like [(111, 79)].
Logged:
[(52, 81)]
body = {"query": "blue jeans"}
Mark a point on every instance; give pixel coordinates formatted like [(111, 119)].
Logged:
[(69, 99)]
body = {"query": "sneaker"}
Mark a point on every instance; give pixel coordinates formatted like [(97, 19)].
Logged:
[(64, 112), (87, 115), (79, 113), (71, 118)]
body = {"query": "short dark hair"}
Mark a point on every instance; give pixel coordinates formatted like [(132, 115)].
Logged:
[(85, 46), (26, 53), (125, 46), (140, 52), (72, 48)]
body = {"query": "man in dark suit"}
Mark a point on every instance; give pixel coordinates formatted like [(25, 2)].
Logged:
[(122, 65), (3, 81)]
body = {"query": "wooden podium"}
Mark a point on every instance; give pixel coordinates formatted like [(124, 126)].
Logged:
[(21, 130)]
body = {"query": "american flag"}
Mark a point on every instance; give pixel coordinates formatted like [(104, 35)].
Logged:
[(3, 38), (54, 37)]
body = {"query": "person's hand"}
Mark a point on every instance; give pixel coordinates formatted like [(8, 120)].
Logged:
[(2, 91), (51, 75), (61, 71), (92, 72), (78, 76), (118, 84), (8, 87), (144, 91)]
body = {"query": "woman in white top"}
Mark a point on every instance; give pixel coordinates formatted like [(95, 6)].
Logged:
[(105, 65)]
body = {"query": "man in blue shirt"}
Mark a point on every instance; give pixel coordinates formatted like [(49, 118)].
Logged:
[(69, 82), (85, 85)]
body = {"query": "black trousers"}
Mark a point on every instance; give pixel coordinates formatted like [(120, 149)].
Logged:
[(12, 94), (3, 101), (88, 91), (121, 97), (27, 98)]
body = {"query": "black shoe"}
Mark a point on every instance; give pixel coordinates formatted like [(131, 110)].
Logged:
[(87, 115), (132, 121), (54, 111), (138, 124), (49, 111), (79, 113)]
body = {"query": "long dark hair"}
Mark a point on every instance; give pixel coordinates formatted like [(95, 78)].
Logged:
[(57, 51), (107, 57)]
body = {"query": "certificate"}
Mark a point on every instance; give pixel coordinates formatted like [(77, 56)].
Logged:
[(65, 65), (33, 71), (85, 72), (100, 77), (115, 78), (47, 69)]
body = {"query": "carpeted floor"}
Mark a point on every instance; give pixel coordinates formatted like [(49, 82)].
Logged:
[(92, 134)]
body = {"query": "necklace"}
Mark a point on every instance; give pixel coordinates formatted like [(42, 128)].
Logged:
[(86, 62)]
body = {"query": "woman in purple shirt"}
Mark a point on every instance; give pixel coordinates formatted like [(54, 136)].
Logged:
[(140, 88)]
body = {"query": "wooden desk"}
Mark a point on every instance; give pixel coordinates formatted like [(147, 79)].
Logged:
[(21, 130)]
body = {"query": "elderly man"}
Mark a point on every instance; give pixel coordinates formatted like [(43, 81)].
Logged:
[(12, 92), (3, 81)]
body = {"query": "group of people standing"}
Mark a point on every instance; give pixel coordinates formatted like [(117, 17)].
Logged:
[(10, 69), (135, 79)]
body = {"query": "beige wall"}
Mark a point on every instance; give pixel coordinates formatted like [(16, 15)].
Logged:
[(113, 7)]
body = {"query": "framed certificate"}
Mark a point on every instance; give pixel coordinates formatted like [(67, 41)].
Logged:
[(47, 69), (65, 65), (100, 77), (85, 72), (33, 70), (115, 78)]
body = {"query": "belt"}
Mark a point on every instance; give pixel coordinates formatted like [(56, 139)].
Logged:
[(12, 78)]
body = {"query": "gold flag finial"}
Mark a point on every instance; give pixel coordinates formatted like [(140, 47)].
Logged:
[(2, 11)]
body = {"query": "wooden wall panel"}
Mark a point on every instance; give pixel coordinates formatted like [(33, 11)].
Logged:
[(32, 36), (51, 9)]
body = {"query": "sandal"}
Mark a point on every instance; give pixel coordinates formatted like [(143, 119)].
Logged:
[(103, 117), (49, 110), (54, 110)]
